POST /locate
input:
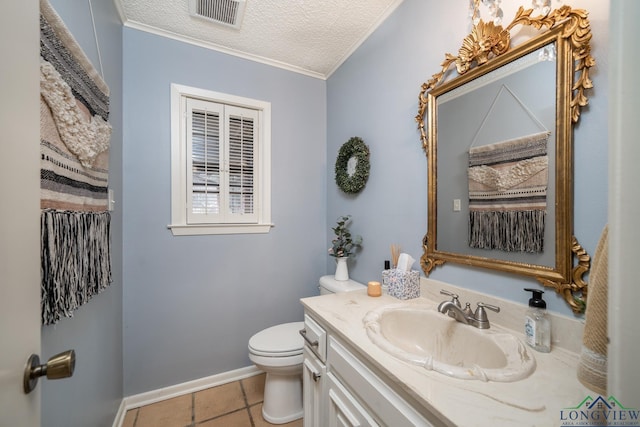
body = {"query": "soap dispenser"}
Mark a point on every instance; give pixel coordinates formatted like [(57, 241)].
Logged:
[(537, 327)]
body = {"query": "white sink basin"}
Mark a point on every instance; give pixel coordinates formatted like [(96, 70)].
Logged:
[(427, 338)]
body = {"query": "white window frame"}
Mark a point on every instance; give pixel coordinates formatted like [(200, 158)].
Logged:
[(180, 191)]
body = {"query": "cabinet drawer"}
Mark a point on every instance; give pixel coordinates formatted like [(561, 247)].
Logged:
[(344, 409), (381, 400), (315, 337)]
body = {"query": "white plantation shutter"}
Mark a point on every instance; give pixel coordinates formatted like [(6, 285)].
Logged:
[(221, 163), (241, 163), (204, 122)]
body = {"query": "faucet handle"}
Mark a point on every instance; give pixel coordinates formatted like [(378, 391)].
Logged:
[(490, 307), (481, 314), (467, 310), (454, 297)]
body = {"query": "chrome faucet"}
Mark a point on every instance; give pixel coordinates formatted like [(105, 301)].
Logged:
[(450, 308), (476, 319), (454, 300)]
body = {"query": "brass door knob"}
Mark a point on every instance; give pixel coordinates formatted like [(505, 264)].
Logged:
[(59, 366)]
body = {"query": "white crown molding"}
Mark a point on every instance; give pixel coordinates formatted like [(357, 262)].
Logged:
[(212, 46), (392, 7)]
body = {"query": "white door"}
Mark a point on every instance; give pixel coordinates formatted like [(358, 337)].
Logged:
[(19, 209)]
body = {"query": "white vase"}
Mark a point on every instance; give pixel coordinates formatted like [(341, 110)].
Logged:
[(342, 271)]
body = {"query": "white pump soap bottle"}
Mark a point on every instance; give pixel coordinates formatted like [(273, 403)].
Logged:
[(537, 327)]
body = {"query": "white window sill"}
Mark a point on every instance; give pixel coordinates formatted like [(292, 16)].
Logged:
[(202, 229)]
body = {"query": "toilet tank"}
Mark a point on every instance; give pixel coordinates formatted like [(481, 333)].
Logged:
[(329, 285)]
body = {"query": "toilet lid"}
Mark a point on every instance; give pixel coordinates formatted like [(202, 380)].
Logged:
[(279, 340)]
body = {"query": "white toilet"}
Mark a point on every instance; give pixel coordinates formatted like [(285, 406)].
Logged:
[(278, 352)]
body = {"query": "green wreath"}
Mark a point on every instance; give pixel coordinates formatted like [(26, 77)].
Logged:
[(349, 177)]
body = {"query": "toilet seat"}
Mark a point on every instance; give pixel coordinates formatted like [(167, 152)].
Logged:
[(277, 351), (278, 341)]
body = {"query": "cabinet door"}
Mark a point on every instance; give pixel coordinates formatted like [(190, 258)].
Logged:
[(313, 379), (382, 402), (344, 409)]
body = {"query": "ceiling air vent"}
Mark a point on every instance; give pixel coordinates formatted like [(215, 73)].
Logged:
[(225, 12)]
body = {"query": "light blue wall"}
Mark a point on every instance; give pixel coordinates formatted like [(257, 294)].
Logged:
[(93, 395), (374, 95), (191, 303)]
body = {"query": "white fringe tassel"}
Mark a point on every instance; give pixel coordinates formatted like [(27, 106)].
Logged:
[(75, 260), (511, 231)]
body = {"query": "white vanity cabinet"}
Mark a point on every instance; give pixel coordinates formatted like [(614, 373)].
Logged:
[(313, 372), (341, 389)]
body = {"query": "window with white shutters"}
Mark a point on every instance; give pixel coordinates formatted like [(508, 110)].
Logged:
[(220, 163)]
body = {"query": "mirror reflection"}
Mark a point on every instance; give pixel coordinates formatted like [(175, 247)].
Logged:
[(513, 103)]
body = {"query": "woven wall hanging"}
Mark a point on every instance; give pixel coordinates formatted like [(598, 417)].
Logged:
[(508, 194), (74, 143)]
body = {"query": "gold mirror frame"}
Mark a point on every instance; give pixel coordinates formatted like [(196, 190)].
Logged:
[(485, 49)]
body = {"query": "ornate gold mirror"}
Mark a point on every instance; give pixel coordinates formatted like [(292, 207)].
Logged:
[(499, 144)]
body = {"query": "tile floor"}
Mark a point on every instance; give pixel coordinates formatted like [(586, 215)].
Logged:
[(236, 404)]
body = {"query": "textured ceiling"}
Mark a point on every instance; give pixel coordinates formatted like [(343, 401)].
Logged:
[(312, 37)]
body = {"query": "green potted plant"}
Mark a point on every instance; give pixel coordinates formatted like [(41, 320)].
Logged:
[(343, 246)]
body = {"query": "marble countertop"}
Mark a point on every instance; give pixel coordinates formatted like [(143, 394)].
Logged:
[(534, 401)]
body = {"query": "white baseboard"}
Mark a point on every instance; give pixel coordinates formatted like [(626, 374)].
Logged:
[(119, 419), (149, 397)]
